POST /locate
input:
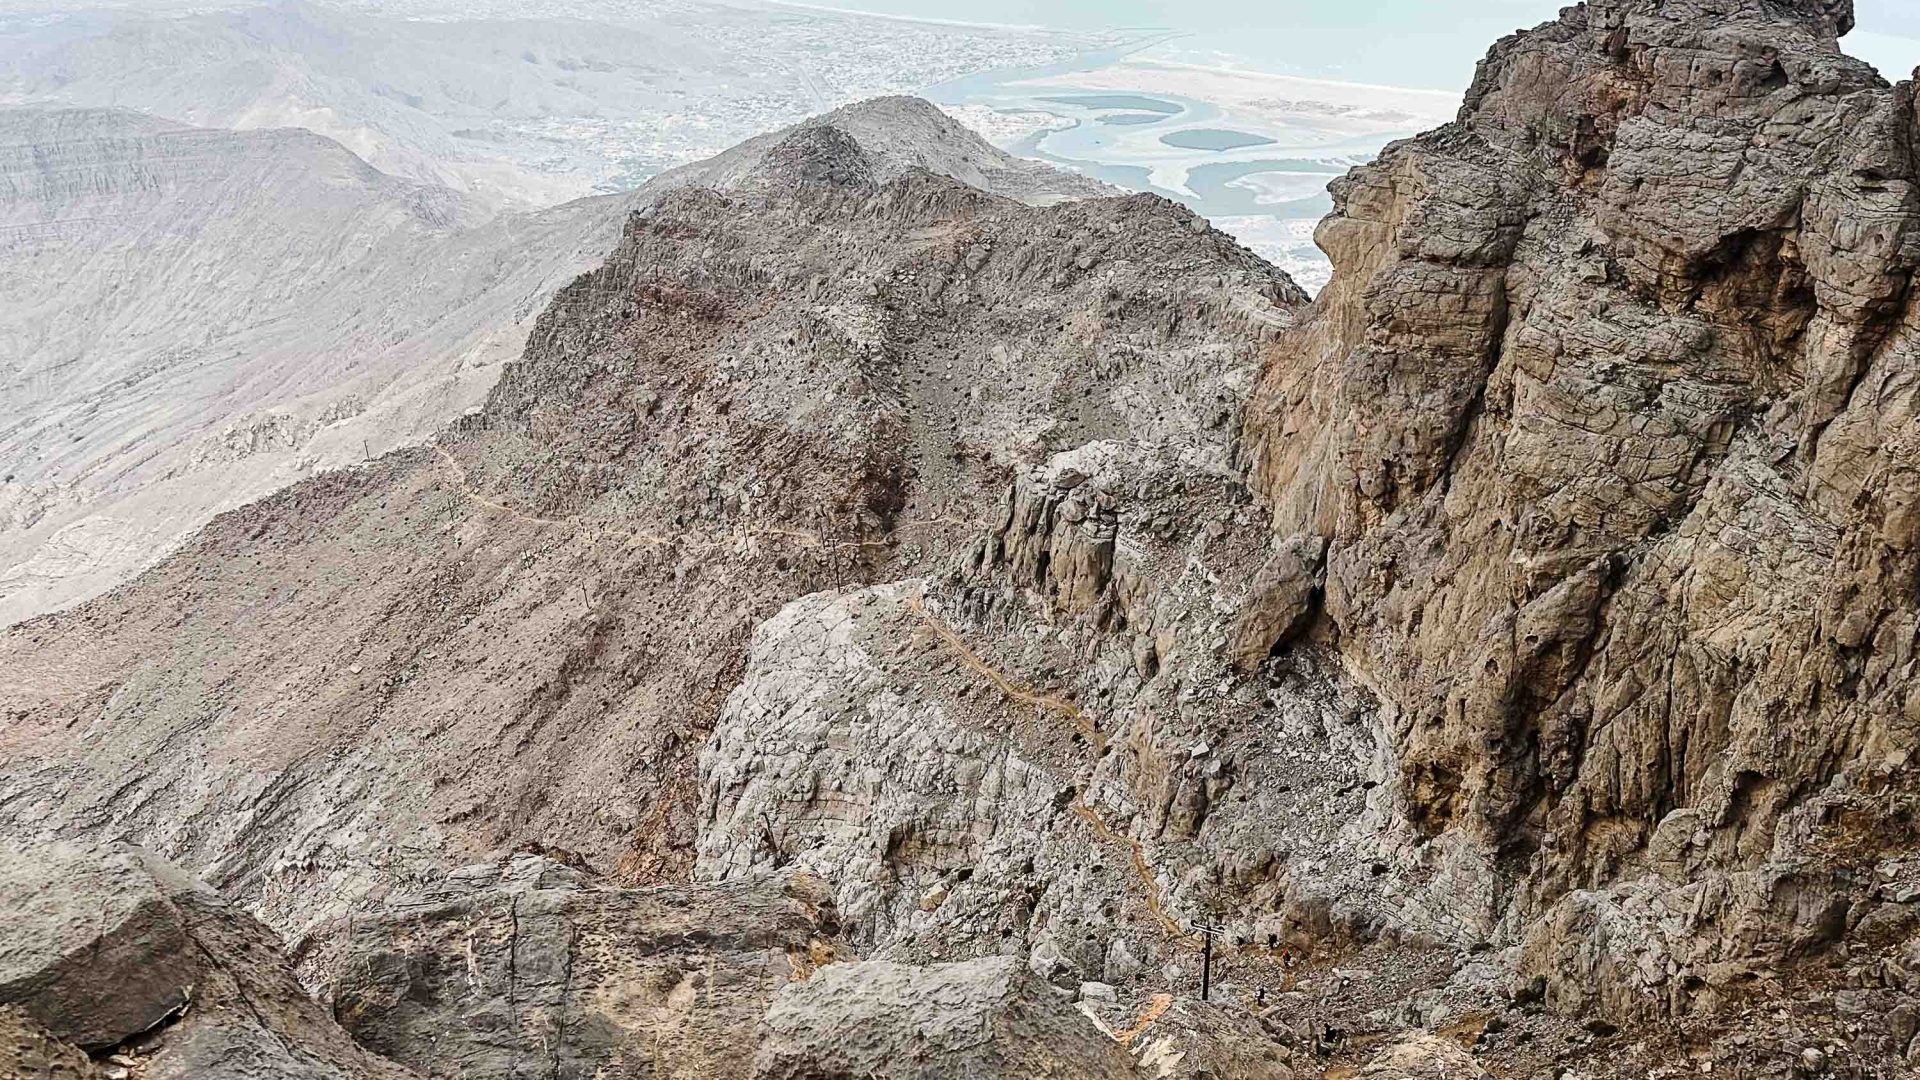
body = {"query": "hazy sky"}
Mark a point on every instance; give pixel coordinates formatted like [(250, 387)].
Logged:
[(1432, 43)]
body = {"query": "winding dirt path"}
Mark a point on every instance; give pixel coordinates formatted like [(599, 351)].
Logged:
[(466, 488), (1006, 684), (806, 538), (1157, 1007), (1020, 692)]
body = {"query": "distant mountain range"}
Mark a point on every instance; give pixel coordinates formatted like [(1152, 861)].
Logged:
[(192, 318), (513, 105)]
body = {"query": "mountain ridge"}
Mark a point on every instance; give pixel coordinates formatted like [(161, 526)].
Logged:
[(1501, 664), (253, 306), (290, 392)]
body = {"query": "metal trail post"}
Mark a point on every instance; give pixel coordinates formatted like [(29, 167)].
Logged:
[(1207, 932), (1206, 967)]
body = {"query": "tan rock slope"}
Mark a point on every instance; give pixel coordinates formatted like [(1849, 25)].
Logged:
[(1506, 659), (192, 318), (523, 632)]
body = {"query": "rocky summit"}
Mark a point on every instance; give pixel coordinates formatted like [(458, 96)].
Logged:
[(907, 614)]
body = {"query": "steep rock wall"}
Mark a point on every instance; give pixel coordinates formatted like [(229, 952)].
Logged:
[(1607, 421)]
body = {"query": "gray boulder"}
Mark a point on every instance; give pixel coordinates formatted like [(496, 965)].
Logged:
[(94, 946), (104, 948), (975, 1020), (536, 968)]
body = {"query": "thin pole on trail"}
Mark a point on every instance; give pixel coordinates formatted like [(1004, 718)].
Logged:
[(1207, 932)]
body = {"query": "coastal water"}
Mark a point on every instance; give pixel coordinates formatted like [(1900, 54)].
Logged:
[(1256, 163)]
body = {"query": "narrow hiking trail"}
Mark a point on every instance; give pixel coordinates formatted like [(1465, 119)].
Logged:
[(466, 488), (1103, 830), (1006, 684), (1003, 682), (1157, 1007), (747, 539)]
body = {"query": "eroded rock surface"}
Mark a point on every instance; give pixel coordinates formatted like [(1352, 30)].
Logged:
[(537, 968), (1601, 422), (1422, 1057), (110, 949), (987, 1019), (28, 1049)]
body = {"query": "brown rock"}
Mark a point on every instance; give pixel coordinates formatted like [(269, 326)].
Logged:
[(1598, 416), (1282, 603)]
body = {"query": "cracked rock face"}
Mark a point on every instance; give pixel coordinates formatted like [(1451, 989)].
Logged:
[(536, 968), (111, 950), (1604, 422)]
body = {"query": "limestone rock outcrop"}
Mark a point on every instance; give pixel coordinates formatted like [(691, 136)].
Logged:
[(1579, 512), (988, 1019), (1422, 1057), (109, 949), (1184, 1038), (1605, 423)]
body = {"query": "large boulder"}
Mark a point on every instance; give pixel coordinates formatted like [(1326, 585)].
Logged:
[(102, 946), (93, 945), (533, 966), (1283, 602), (989, 1019)]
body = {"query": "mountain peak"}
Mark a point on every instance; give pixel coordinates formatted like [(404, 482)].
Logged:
[(890, 136), (1570, 84), (815, 154)]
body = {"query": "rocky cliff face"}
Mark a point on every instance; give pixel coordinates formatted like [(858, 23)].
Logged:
[(1602, 426), (1500, 665)]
